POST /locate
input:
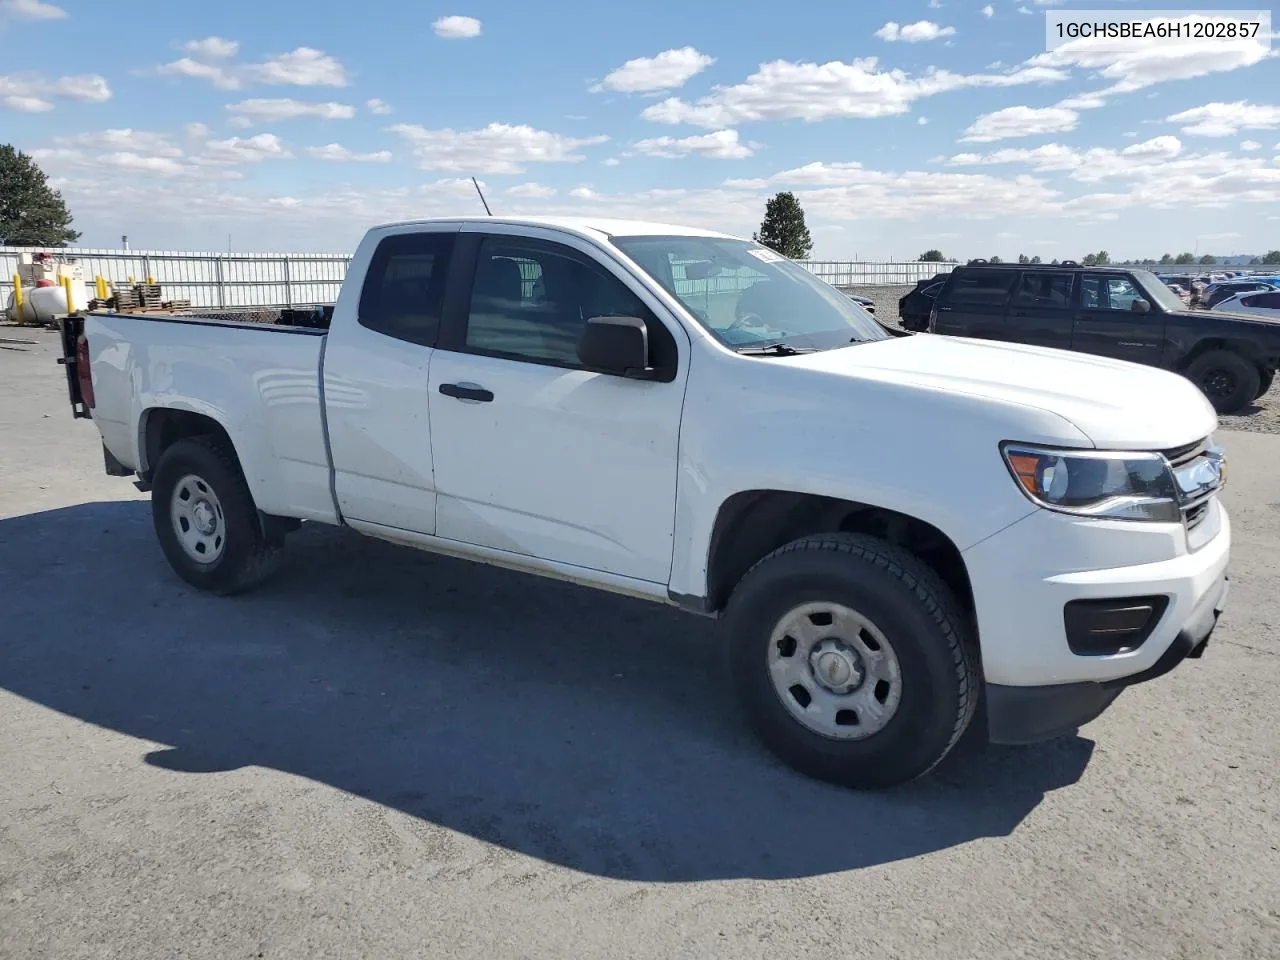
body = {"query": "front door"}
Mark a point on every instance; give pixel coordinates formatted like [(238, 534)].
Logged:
[(1107, 324), (533, 454)]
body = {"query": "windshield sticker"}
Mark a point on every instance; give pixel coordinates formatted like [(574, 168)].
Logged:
[(765, 255)]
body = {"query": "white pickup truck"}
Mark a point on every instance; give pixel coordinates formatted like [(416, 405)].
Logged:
[(894, 529)]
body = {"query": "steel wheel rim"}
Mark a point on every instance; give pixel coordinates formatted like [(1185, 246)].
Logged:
[(198, 521), (834, 671)]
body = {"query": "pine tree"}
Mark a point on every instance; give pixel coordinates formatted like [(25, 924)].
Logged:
[(32, 214), (783, 228)]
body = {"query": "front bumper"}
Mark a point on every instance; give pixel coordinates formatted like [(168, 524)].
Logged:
[(1030, 714), (1023, 578)]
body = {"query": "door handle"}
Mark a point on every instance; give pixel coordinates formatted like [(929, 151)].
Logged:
[(467, 391)]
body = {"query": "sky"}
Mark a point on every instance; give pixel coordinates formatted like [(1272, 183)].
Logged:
[(282, 125)]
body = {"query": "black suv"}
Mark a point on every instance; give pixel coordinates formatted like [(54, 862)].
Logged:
[(1113, 312)]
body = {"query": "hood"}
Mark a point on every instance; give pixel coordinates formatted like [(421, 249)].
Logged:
[(1115, 403)]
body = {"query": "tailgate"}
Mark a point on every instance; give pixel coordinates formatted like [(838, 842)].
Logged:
[(74, 353)]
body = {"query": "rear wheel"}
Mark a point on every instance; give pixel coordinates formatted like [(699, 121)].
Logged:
[(1228, 380), (852, 660), (206, 520)]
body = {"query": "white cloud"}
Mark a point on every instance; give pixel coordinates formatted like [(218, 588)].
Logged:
[(265, 146), (1090, 165), (337, 152), (1226, 119), (30, 93), (212, 48), (30, 10), (303, 67), (988, 11), (721, 145), (142, 155), (922, 121), (457, 28), (125, 140), (220, 77), (1250, 145), (26, 104), (584, 193), (1020, 122), (614, 161), (666, 71), (378, 106), (1024, 10), (919, 32), (535, 191), (496, 148), (249, 112), (783, 90)]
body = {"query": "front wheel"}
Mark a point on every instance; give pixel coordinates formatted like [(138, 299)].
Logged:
[(206, 520), (852, 660)]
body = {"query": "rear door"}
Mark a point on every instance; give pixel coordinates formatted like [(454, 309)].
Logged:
[(1040, 310), (973, 303), (1107, 324), (376, 382)]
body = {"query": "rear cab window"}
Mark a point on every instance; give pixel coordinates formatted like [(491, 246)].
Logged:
[(403, 293)]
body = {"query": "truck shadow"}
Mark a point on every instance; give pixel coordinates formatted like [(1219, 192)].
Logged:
[(586, 730)]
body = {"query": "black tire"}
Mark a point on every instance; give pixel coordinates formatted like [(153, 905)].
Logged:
[(1264, 384), (1228, 380), (913, 610), (248, 556)]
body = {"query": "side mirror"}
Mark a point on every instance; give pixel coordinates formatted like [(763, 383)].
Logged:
[(1141, 306), (616, 345)]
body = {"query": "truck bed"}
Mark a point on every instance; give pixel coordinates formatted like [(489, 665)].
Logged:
[(261, 380)]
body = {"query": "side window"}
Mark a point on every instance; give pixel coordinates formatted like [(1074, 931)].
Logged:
[(1270, 301), (1043, 290), (531, 299), (404, 288), (1108, 293), (988, 288)]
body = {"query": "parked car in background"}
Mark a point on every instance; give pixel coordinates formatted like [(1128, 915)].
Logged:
[(1113, 312), (866, 303), (1265, 304), (1227, 289), (914, 308)]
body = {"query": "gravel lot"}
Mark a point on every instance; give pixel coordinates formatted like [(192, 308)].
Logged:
[(1262, 417), (388, 754)]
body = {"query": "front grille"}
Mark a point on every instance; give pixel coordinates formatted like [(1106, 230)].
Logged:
[(1194, 514), (1181, 456), (1194, 511)]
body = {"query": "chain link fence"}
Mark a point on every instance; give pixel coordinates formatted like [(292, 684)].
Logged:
[(230, 280)]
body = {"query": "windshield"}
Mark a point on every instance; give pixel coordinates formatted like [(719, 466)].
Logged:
[(747, 295), (1158, 292)]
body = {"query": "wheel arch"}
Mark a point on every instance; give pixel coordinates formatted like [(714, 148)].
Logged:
[(752, 524)]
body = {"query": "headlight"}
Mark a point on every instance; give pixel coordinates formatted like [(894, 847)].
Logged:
[(1096, 483)]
